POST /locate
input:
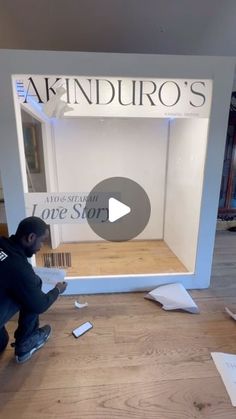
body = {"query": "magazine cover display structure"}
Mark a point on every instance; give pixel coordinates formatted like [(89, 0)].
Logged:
[(116, 166), (164, 155)]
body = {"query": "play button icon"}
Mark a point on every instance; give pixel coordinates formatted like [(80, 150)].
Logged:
[(117, 209)]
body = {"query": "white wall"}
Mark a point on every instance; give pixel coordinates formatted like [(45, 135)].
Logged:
[(187, 150), (89, 150)]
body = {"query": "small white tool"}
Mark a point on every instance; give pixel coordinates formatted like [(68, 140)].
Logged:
[(80, 305)]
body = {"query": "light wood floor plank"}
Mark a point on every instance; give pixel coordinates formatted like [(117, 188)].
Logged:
[(138, 362), (182, 399)]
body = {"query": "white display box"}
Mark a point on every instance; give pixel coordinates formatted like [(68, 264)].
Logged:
[(165, 130)]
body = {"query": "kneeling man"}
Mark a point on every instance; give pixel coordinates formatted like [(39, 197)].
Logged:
[(20, 289)]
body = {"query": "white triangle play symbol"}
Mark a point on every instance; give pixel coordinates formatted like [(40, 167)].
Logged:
[(117, 209)]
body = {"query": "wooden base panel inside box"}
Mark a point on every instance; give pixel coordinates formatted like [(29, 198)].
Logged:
[(112, 258)]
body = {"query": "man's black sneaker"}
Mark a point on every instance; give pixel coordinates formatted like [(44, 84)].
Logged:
[(25, 350)]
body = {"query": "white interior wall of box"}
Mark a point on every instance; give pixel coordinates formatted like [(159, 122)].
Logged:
[(88, 150), (203, 201)]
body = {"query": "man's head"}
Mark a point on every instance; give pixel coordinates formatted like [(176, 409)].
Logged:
[(31, 233)]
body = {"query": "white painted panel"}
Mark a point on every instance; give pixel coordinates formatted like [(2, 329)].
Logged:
[(187, 151), (89, 150)]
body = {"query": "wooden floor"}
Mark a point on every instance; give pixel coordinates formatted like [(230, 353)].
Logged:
[(115, 258), (138, 362)]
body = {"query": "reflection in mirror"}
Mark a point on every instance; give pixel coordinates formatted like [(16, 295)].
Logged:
[(3, 218)]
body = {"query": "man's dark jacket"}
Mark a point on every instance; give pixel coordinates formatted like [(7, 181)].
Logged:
[(18, 281)]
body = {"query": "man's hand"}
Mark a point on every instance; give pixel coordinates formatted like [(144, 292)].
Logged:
[(61, 286)]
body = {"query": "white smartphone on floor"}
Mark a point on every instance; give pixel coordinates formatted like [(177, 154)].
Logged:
[(83, 328)]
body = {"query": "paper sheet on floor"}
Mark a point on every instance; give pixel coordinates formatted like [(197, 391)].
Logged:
[(226, 366), (50, 275), (173, 297)]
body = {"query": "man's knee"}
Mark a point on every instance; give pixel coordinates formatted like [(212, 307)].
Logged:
[(4, 338)]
